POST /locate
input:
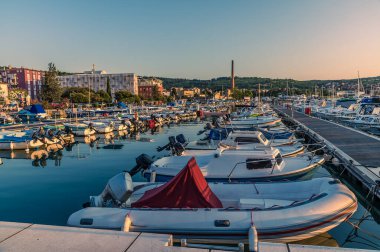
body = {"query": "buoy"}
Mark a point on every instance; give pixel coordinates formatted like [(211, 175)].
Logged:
[(327, 157), (335, 161)]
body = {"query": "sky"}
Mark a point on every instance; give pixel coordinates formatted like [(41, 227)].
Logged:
[(299, 39)]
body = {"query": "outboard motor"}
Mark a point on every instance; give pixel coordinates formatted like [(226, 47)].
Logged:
[(117, 191), (208, 126), (181, 139), (142, 162), (171, 143), (178, 149)]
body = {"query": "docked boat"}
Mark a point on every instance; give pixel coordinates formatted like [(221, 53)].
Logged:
[(237, 165), (79, 129), (254, 121), (100, 127), (280, 212), (236, 140)]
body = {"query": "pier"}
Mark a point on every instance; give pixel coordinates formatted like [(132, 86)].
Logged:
[(358, 152), (33, 237)]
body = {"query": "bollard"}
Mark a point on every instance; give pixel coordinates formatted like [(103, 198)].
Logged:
[(252, 239)]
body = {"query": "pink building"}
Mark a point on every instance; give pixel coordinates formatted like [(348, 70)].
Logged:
[(28, 79)]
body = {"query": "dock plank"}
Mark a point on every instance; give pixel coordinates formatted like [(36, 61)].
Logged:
[(360, 147), (308, 248), (8, 229), (156, 242), (57, 238)]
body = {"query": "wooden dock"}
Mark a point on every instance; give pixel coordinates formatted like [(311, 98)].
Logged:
[(358, 150), (43, 238)]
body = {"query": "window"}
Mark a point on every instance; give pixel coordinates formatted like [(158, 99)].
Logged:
[(246, 140), (254, 164)]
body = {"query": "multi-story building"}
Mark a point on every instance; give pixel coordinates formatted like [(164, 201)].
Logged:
[(146, 86), (28, 79), (3, 93), (97, 80)]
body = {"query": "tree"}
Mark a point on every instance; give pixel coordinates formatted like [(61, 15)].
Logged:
[(173, 92), (105, 97), (51, 89), (126, 96), (109, 87)]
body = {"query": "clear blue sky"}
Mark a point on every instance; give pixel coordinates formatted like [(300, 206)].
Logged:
[(301, 39)]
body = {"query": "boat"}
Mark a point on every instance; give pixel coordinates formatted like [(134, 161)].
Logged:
[(236, 140), (79, 129), (100, 127), (237, 165), (189, 206)]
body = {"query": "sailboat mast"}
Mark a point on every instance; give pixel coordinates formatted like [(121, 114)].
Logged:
[(358, 84)]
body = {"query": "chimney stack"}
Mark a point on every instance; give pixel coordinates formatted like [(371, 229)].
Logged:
[(232, 75)]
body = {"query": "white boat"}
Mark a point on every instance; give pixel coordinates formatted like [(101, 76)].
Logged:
[(100, 127), (79, 129), (254, 121), (237, 165), (281, 212), (246, 140)]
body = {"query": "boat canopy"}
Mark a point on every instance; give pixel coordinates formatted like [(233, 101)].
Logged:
[(36, 109), (188, 189), (122, 105)]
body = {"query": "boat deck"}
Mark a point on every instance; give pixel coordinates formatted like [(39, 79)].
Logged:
[(358, 148), (32, 237)]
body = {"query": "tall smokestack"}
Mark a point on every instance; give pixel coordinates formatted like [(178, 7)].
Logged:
[(232, 75)]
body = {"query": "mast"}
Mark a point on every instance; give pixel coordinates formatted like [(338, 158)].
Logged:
[(358, 84), (259, 94), (287, 88)]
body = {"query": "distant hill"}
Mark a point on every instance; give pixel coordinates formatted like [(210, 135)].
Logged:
[(252, 82)]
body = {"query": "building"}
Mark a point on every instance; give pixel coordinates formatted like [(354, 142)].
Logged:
[(188, 93), (97, 80), (25, 78), (146, 86), (4, 93)]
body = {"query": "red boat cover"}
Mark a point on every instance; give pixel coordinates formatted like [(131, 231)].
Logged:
[(188, 189)]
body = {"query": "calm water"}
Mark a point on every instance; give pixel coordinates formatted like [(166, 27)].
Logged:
[(48, 192)]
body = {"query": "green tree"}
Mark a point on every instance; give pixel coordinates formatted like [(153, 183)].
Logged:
[(109, 88), (51, 89), (105, 97)]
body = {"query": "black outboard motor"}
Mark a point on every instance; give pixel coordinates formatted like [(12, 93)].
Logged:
[(181, 139), (178, 149), (142, 162), (171, 143)]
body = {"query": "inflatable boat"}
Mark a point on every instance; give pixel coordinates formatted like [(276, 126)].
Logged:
[(189, 206)]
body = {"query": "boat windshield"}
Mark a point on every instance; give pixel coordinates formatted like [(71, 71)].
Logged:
[(246, 140), (254, 164)]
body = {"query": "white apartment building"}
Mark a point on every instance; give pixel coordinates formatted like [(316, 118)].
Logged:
[(97, 80)]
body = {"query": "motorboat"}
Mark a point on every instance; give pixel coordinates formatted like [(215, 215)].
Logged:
[(237, 165), (189, 206), (254, 121), (79, 129), (100, 127), (236, 140)]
